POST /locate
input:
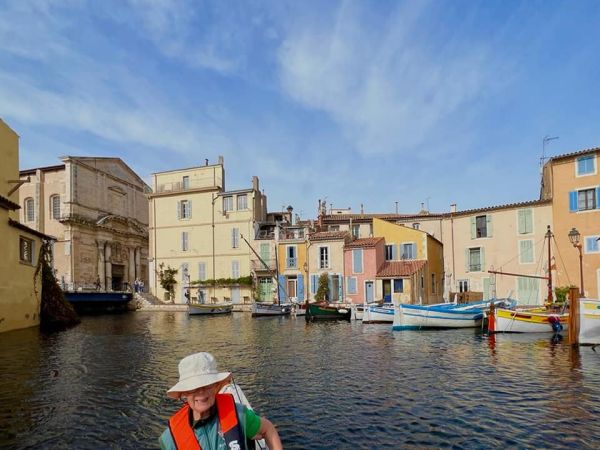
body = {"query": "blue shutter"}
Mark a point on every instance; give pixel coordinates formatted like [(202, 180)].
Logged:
[(598, 197), (393, 252), (341, 288), (414, 250), (300, 289), (330, 285), (281, 288), (573, 201), (313, 284)]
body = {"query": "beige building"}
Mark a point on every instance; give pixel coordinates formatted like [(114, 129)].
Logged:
[(98, 211), (326, 255), (572, 181), (20, 286), (197, 227)]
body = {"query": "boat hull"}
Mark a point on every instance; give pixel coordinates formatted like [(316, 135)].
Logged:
[(270, 309), (358, 312), (329, 312), (589, 322), (208, 309), (418, 317), (378, 314), (99, 301), (527, 321)]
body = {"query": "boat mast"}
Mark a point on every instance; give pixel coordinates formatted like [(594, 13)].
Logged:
[(277, 272), (549, 237)]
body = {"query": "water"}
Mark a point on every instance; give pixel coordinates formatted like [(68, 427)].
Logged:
[(325, 385)]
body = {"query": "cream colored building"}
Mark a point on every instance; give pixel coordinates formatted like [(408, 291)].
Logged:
[(98, 211), (197, 227), (326, 255), (20, 286)]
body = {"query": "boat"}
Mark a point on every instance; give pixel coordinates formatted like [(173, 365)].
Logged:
[(589, 321), (440, 315), (327, 311), (260, 309), (199, 309), (357, 311), (298, 309), (378, 313)]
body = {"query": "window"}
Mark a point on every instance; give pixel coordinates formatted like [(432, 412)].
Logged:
[(409, 251), (291, 260), (227, 204), (398, 286), (235, 269), (525, 219), (242, 202), (586, 165), (352, 289), (416, 225), (333, 228), (526, 251), (201, 271), (26, 250), (357, 265), (474, 259), (463, 285), (586, 199), (184, 209), (184, 241), (323, 257), (29, 210), (355, 231), (55, 207), (185, 182), (235, 237), (390, 251), (592, 244), (481, 227)]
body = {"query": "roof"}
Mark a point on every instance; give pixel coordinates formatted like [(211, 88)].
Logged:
[(43, 169), (328, 235), (400, 268), (8, 204), (20, 226), (577, 153), (348, 217), (364, 242)]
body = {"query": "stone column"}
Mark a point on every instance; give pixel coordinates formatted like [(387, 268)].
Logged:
[(101, 264), (138, 263), (108, 271), (131, 262)]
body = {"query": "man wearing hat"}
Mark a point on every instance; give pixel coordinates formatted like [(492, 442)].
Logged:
[(209, 420)]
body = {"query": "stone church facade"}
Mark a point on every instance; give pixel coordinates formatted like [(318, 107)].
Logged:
[(97, 210)]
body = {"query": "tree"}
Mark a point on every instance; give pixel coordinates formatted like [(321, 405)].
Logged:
[(323, 289), (167, 279)]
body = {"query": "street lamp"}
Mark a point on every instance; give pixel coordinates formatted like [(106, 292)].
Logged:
[(574, 237)]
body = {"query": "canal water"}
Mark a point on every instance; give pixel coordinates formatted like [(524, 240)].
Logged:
[(102, 384)]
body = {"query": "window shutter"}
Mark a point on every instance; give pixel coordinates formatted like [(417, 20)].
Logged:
[(488, 220), (182, 241), (598, 197), (467, 265), (281, 288), (330, 286), (179, 210), (300, 290), (473, 228), (190, 209), (313, 284), (414, 251), (341, 288), (393, 252), (482, 258), (521, 220), (573, 201)]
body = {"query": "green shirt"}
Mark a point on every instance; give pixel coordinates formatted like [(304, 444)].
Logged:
[(207, 432)]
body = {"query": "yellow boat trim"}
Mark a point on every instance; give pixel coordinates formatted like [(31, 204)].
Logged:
[(531, 316)]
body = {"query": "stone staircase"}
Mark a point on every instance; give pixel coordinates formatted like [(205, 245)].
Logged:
[(144, 301)]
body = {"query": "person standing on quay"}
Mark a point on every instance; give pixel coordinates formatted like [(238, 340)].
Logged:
[(209, 420)]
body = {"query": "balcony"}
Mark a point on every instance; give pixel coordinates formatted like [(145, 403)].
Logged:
[(294, 234), (177, 186), (256, 265)]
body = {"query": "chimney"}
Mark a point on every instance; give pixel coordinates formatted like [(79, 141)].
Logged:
[(362, 210), (453, 208), (206, 161), (255, 183), (289, 209), (221, 160)]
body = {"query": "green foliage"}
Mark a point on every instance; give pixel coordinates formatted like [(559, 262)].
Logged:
[(167, 278), (323, 289), (561, 293), (244, 281)]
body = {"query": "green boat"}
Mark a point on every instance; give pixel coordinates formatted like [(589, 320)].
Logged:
[(327, 311)]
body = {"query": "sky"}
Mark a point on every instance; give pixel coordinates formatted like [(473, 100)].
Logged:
[(392, 105)]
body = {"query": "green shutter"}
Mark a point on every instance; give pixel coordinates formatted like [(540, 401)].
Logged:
[(521, 220), (473, 228), (486, 289), (467, 260), (488, 220), (179, 210), (482, 258)]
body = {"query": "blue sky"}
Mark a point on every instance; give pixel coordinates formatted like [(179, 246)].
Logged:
[(372, 103)]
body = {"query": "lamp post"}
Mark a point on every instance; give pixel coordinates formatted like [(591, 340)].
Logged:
[(574, 237)]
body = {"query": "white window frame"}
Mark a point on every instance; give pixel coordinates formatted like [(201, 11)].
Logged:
[(228, 203), (29, 209), (288, 258), (413, 245), (235, 269), (595, 200), (185, 241), (586, 249), (594, 172), (469, 262), (201, 271), (55, 206), (185, 182), (461, 283), (324, 263), (235, 238), (244, 206), (520, 253), (355, 226), (390, 246), (185, 210)]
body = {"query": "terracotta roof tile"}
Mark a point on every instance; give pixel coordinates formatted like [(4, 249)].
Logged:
[(400, 268), (328, 235), (364, 242), (577, 153), (8, 204)]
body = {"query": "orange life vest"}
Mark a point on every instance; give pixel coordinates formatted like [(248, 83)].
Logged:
[(183, 433)]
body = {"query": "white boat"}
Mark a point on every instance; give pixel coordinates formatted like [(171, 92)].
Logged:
[(378, 314), (200, 309), (535, 320), (358, 311), (589, 321), (298, 309), (441, 315), (270, 309)]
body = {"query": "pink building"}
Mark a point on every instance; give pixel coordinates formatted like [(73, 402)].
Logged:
[(362, 258)]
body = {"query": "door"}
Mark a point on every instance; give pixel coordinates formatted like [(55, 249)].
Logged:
[(266, 290), (235, 295), (291, 288), (369, 291), (387, 291)]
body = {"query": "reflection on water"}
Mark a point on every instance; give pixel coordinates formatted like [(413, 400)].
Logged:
[(325, 385)]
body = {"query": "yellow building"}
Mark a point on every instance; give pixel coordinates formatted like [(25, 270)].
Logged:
[(409, 244), (198, 228), (572, 181), (20, 287), (291, 244)]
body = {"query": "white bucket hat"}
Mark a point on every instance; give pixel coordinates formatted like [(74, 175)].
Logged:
[(195, 371)]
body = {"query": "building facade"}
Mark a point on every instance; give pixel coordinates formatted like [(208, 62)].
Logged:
[(20, 283), (98, 211), (204, 232), (326, 255)]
